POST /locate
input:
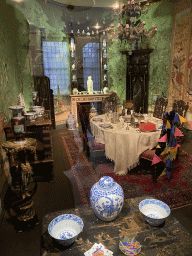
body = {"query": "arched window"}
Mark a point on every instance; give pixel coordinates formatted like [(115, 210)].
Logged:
[(56, 66), (91, 65)]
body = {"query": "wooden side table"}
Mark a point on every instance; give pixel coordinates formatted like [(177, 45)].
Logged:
[(39, 130), (23, 186)]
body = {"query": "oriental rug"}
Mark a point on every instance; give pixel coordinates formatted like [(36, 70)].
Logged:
[(176, 193)]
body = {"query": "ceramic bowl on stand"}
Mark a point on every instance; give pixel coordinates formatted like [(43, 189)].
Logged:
[(30, 115), (65, 228)]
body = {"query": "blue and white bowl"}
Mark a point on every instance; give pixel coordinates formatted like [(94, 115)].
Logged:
[(65, 228), (154, 211), (38, 109), (30, 115)]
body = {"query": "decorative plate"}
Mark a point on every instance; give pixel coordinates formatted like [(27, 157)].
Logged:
[(149, 131), (129, 246), (97, 119), (106, 126)]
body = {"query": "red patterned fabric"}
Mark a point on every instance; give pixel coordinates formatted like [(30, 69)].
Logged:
[(148, 154), (98, 146), (176, 192)]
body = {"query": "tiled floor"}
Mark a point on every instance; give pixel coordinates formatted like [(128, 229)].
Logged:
[(57, 196)]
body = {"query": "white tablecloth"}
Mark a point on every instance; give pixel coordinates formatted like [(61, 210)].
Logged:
[(125, 146)]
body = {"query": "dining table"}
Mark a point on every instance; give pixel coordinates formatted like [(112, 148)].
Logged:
[(124, 145)]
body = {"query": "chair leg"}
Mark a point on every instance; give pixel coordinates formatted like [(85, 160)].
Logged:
[(154, 174)]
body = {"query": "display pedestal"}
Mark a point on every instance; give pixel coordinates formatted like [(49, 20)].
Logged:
[(19, 197)]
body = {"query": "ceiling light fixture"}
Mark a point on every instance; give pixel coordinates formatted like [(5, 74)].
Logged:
[(130, 27)]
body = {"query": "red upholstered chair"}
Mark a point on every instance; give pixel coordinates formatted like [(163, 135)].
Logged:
[(146, 157), (145, 161), (149, 154)]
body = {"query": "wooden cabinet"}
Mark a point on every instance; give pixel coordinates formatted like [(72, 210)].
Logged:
[(137, 79), (45, 94), (40, 130)]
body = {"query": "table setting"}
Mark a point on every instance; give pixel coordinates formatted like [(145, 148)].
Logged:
[(125, 137)]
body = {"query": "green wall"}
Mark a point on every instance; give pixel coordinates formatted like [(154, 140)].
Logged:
[(44, 15), (15, 76), (160, 13)]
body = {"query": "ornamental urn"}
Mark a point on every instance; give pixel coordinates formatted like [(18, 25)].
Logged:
[(71, 122), (18, 123), (107, 198), (75, 91)]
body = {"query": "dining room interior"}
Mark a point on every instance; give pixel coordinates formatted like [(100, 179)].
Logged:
[(92, 89)]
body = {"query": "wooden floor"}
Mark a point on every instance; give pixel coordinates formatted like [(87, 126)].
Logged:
[(55, 196)]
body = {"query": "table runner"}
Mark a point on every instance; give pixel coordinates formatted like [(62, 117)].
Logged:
[(125, 146)]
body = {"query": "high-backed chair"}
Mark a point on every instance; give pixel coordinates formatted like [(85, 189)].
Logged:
[(83, 113), (180, 107), (160, 107), (148, 155)]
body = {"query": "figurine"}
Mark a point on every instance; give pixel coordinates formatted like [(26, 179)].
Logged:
[(90, 85)]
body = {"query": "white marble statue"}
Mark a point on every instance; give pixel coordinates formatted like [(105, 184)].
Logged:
[(90, 85)]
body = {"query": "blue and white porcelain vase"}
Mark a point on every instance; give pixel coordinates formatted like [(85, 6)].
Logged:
[(106, 199), (71, 122)]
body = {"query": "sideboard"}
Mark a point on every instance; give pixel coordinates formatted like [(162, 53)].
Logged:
[(40, 130)]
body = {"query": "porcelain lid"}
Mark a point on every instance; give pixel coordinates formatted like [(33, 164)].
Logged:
[(106, 182)]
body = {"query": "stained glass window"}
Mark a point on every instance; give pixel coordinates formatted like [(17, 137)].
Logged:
[(56, 66), (91, 65)]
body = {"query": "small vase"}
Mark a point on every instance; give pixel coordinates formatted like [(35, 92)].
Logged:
[(71, 122), (105, 90), (106, 199), (75, 91), (18, 123), (93, 112)]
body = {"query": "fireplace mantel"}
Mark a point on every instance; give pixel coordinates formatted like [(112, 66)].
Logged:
[(85, 98)]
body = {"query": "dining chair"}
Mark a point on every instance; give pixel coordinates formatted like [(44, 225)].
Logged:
[(180, 107), (83, 113), (160, 107), (147, 156)]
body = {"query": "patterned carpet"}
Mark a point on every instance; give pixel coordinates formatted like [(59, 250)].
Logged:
[(176, 193)]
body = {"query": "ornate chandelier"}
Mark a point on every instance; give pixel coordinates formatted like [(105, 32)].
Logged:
[(130, 27)]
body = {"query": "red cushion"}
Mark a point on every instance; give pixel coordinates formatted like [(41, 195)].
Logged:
[(148, 154)]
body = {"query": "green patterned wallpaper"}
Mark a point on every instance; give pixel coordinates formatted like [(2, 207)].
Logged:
[(160, 13), (15, 76)]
